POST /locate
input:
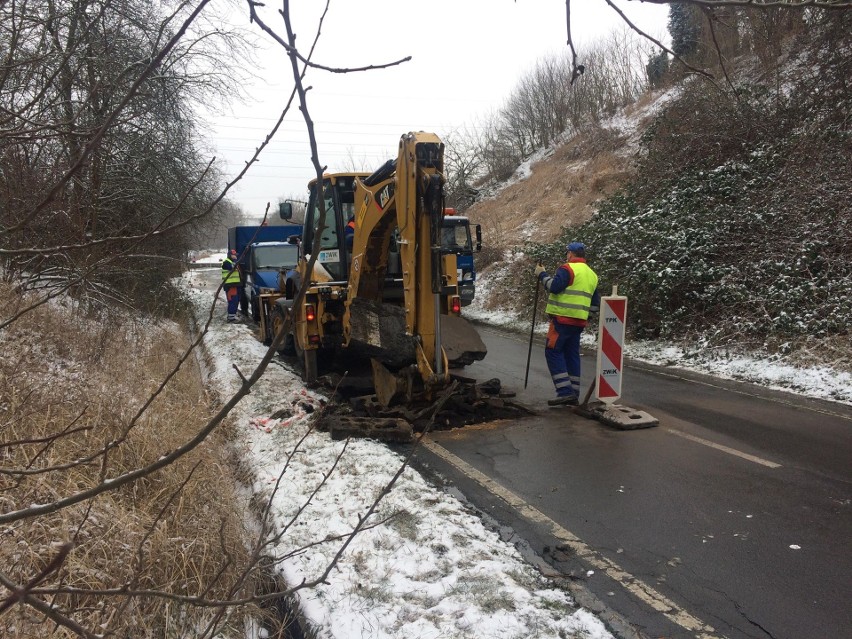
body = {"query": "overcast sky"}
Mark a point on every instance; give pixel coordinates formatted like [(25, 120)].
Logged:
[(467, 56)]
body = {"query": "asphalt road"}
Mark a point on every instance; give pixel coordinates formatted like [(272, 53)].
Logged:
[(732, 518)]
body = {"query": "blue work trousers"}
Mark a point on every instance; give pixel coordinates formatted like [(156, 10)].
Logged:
[(562, 353), (233, 292)]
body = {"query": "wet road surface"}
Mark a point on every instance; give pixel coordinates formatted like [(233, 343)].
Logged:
[(732, 518)]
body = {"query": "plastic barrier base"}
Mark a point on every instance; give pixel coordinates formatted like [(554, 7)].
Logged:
[(617, 416)]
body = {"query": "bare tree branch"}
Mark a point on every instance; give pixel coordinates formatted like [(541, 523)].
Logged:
[(94, 142), (293, 51), (657, 42)]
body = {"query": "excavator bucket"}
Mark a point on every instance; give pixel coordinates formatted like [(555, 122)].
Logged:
[(378, 331), (461, 341), (387, 385)]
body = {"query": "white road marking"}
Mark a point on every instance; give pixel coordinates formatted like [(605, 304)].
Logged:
[(639, 589), (726, 449)]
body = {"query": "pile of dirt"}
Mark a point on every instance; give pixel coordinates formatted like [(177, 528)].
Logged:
[(354, 413)]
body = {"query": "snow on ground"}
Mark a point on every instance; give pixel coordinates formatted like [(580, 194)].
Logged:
[(629, 125), (819, 382), (210, 258), (426, 566)]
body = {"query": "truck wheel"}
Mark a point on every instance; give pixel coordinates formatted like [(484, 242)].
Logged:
[(255, 309), (276, 323)]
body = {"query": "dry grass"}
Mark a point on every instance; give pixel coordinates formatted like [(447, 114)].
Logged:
[(561, 191), (67, 387), (833, 352)]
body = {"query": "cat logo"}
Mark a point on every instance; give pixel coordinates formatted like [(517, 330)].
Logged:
[(384, 196)]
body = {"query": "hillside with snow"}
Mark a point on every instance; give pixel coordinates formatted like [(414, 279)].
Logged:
[(720, 208)]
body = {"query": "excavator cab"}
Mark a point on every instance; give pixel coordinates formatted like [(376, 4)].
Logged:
[(335, 251), (337, 196)]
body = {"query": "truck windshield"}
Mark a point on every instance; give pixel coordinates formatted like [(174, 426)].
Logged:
[(276, 257), (456, 237)]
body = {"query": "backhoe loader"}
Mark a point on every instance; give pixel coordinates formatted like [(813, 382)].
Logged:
[(383, 291)]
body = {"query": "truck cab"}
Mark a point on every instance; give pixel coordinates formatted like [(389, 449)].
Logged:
[(267, 262), (456, 239), (257, 271)]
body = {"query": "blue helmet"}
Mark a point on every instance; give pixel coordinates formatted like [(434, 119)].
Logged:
[(575, 247)]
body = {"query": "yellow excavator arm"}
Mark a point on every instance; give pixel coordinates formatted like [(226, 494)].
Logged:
[(405, 194)]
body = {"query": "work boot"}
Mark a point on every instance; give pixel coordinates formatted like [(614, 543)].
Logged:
[(566, 400), (232, 318)]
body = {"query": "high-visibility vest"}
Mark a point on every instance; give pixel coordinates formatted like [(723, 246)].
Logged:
[(230, 272), (575, 300)]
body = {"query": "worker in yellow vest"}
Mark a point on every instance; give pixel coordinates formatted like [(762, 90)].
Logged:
[(232, 282), (572, 294)]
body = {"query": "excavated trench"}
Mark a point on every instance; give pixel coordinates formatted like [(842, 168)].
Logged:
[(356, 412)]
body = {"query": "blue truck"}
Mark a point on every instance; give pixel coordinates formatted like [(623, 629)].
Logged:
[(264, 252), (456, 238)]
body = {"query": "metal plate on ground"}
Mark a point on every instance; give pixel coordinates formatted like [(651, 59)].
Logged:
[(387, 429)]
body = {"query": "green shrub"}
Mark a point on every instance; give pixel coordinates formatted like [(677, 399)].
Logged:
[(727, 254)]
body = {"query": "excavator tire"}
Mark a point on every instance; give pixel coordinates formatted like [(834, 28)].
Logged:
[(310, 370), (309, 359)]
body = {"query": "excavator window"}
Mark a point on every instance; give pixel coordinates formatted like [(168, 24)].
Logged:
[(329, 245), (338, 195), (328, 233)]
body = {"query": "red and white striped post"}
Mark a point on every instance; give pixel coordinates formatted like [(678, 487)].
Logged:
[(611, 347)]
